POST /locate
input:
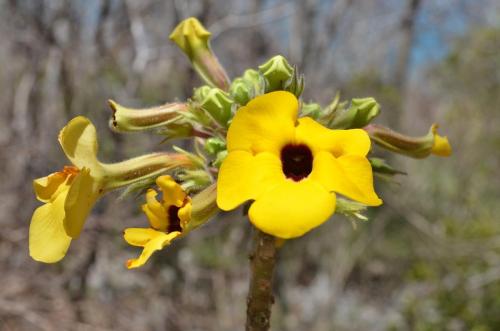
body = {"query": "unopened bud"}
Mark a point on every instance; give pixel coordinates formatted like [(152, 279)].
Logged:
[(359, 114), (215, 102), (380, 166), (163, 118), (193, 39), (214, 145), (417, 147), (277, 72), (312, 110)]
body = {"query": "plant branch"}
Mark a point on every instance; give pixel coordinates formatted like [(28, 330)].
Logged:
[(260, 297)]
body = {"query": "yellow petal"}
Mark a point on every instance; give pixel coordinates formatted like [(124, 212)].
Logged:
[(350, 175), (155, 212), (79, 142), (441, 146), (139, 236), (243, 176), (48, 241), (184, 214), (82, 196), (150, 239), (266, 123), (337, 142), (47, 187), (292, 208), (173, 194)]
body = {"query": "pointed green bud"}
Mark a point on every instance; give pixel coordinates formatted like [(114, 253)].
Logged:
[(312, 110), (295, 84), (277, 72), (220, 157), (247, 87), (351, 209), (360, 113), (193, 39), (380, 166), (417, 147), (214, 145), (240, 91), (165, 119), (215, 102)]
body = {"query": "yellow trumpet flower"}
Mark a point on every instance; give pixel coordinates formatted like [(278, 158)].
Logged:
[(291, 167)]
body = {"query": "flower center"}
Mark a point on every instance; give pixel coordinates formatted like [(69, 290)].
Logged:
[(296, 161), (174, 222)]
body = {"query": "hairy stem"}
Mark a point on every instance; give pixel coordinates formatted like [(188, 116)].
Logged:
[(260, 296)]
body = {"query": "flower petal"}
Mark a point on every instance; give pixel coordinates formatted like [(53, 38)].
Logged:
[(155, 212), (184, 215), (48, 241), (266, 123), (338, 142), (173, 194), (82, 196), (150, 239), (292, 208), (79, 142), (243, 176), (46, 187), (350, 175)]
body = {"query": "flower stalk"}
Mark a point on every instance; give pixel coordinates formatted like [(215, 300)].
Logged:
[(260, 295)]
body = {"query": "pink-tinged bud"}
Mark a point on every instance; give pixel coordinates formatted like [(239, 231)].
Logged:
[(194, 40), (417, 147)]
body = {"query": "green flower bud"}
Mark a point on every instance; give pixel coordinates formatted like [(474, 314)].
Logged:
[(193, 39), (295, 84), (218, 104), (417, 147), (277, 72), (241, 91), (312, 110), (380, 166), (214, 145), (360, 113), (220, 157)]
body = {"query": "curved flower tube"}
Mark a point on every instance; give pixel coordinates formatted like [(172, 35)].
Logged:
[(70, 194), (291, 167)]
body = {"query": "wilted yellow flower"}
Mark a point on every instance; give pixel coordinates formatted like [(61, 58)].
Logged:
[(168, 220), (291, 168)]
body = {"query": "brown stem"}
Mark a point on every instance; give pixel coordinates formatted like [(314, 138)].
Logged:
[(260, 295)]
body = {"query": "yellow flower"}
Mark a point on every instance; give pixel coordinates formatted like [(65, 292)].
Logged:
[(168, 219), (70, 194), (291, 168)]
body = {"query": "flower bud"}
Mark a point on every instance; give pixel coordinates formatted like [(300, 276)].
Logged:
[(277, 72), (193, 39), (215, 102), (380, 166), (204, 207), (295, 84), (417, 147), (166, 119), (214, 145), (359, 114), (312, 110), (246, 87)]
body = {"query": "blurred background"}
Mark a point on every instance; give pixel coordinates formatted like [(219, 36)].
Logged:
[(429, 259)]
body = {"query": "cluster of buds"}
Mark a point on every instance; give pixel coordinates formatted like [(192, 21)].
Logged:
[(187, 179)]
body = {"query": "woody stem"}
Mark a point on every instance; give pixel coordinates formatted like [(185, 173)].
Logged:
[(260, 297)]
